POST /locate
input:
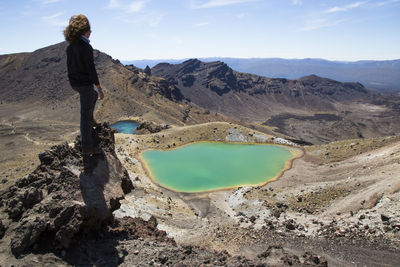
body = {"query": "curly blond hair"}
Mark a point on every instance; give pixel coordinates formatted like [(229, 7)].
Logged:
[(78, 25)]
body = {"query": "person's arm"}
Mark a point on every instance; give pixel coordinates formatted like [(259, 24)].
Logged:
[(93, 72)]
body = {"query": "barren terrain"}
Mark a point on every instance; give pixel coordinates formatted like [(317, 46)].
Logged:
[(333, 208), (339, 204)]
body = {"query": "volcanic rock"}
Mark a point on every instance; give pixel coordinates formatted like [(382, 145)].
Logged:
[(314, 260), (384, 218), (290, 225), (58, 200), (150, 127)]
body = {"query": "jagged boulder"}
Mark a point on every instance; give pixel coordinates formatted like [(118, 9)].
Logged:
[(150, 127), (58, 199)]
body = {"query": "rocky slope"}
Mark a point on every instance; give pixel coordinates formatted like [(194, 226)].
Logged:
[(38, 108), (196, 79), (60, 215), (57, 201), (41, 76), (336, 213), (340, 201), (293, 106)]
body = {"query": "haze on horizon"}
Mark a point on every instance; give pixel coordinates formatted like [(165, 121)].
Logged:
[(176, 29)]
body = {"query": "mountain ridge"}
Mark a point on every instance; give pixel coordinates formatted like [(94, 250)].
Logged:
[(287, 103), (375, 74), (187, 92), (219, 78)]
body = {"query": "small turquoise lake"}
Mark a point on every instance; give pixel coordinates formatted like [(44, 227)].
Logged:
[(210, 166), (128, 127)]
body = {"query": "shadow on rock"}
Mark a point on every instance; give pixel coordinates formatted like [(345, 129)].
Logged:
[(57, 204), (99, 248), (92, 189)]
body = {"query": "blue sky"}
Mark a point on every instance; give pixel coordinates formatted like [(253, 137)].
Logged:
[(166, 29)]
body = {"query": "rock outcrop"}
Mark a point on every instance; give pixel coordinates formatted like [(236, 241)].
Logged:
[(150, 127), (57, 201)]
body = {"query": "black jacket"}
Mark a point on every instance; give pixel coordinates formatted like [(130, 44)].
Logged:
[(80, 63)]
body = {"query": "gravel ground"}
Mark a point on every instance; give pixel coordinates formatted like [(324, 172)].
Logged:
[(346, 211)]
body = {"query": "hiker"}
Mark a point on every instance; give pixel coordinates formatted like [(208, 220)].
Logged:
[(82, 76)]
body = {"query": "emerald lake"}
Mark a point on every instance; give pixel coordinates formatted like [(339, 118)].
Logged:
[(128, 127), (209, 166)]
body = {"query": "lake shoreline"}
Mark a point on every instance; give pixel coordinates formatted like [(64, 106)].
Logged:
[(308, 206), (296, 152)]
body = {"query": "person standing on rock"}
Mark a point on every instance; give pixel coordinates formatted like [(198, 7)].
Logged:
[(82, 76)]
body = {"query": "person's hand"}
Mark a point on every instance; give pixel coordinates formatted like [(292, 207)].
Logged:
[(101, 95)]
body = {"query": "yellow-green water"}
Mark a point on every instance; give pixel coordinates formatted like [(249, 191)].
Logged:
[(208, 166)]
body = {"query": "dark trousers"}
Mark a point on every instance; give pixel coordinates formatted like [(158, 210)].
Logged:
[(88, 98)]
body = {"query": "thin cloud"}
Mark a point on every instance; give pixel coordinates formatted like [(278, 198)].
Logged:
[(297, 2), (330, 17), (128, 7), (55, 20), (113, 4), (177, 40), (136, 6), (345, 8), (384, 3), (319, 23), (45, 2), (153, 36), (152, 19), (217, 3), (29, 11), (202, 24), (241, 15)]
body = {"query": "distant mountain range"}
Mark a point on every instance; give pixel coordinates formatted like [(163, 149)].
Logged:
[(382, 75), (311, 108), (216, 86)]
